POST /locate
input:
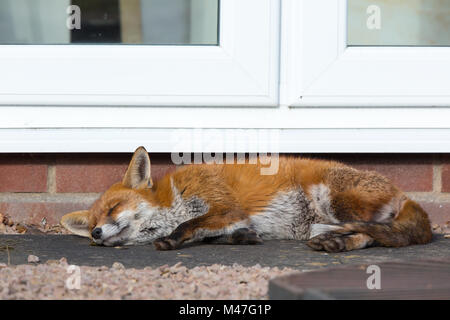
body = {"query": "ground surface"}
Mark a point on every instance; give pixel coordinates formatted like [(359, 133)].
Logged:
[(275, 253), (193, 272)]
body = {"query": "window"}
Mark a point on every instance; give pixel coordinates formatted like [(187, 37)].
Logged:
[(241, 70), (398, 23), (327, 68), (156, 22), (318, 75)]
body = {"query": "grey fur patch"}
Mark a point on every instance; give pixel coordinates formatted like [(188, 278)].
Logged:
[(288, 216), (321, 200)]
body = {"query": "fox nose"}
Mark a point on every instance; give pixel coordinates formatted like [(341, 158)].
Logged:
[(97, 233)]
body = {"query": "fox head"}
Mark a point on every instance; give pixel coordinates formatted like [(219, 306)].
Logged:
[(127, 213)]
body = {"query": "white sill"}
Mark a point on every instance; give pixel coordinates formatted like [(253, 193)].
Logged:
[(226, 140), (218, 129)]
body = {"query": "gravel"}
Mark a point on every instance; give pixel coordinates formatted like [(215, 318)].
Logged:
[(33, 259), (9, 226), (57, 280)]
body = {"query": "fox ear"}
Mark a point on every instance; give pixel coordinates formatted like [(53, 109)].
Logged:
[(138, 175), (77, 222)]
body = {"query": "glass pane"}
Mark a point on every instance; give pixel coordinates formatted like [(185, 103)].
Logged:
[(169, 22), (398, 23)]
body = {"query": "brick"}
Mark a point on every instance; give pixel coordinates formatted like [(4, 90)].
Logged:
[(22, 173), (446, 178), (408, 177), (439, 213), (408, 172), (96, 173), (34, 212), (87, 178)]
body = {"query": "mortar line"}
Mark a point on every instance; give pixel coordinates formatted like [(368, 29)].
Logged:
[(437, 176), (429, 197), (51, 178), (80, 197), (48, 197)]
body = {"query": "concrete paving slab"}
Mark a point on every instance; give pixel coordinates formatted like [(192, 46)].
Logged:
[(276, 253), (419, 279)]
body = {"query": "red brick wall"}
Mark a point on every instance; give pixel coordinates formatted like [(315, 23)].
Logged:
[(37, 186)]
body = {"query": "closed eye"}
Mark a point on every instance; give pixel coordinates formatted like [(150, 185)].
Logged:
[(110, 211)]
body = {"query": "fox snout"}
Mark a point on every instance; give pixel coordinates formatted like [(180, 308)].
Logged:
[(97, 233)]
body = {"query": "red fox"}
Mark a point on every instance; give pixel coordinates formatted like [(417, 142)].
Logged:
[(335, 207)]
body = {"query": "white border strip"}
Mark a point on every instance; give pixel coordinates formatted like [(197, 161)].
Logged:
[(227, 140)]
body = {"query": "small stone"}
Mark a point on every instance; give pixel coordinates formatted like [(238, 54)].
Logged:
[(33, 259), (21, 229), (118, 266), (3, 265), (5, 220), (8, 222)]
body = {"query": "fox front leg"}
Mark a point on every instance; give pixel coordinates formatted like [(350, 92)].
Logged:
[(239, 236), (209, 225)]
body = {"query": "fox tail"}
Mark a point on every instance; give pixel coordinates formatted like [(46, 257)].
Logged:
[(411, 226)]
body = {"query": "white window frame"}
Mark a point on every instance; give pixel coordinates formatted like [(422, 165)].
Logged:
[(323, 71), (241, 71), (367, 99), (284, 83)]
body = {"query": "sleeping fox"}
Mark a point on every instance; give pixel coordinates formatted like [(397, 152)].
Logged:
[(334, 207)]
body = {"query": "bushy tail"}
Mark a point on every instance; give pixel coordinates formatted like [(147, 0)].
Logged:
[(411, 226)]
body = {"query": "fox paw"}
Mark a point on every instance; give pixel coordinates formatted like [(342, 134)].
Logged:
[(245, 236), (330, 242), (166, 243)]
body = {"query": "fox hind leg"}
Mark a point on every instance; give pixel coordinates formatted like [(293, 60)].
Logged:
[(337, 242)]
